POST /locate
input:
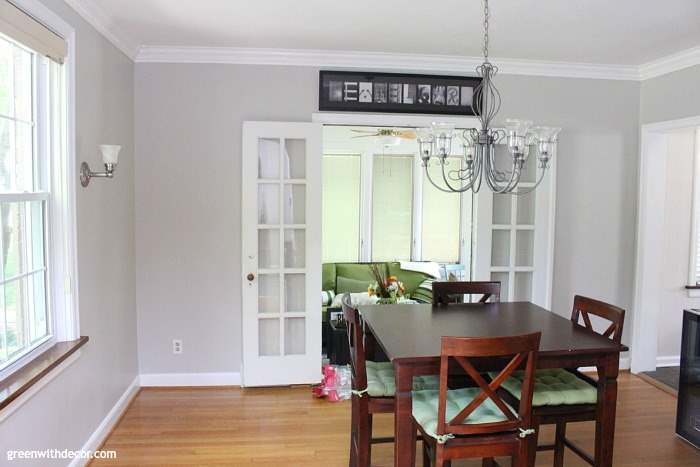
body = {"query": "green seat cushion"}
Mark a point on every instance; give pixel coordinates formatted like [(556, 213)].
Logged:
[(424, 292), (425, 408), (359, 271), (381, 382), (346, 284), (553, 387)]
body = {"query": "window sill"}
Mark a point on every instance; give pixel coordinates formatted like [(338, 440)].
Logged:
[(693, 290), (32, 373)]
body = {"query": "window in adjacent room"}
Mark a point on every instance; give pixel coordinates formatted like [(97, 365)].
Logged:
[(379, 206)]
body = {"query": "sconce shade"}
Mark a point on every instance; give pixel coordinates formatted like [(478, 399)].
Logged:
[(110, 153)]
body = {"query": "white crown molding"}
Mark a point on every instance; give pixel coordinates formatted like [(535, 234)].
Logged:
[(99, 20), (670, 63), (378, 61)]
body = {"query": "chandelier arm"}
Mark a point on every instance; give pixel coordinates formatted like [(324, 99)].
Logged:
[(460, 189), (525, 191), (432, 182)]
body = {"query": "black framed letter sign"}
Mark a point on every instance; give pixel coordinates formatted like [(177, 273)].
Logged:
[(352, 91)]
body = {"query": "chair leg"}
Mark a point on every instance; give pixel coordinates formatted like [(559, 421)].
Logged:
[(364, 438), (353, 432), (426, 454), (440, 460), (370, 419), (559, 438)]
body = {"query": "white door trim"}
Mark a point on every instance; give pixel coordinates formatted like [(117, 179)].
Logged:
[(648, 261)]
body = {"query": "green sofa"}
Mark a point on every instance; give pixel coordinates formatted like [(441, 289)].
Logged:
[(356, 277)]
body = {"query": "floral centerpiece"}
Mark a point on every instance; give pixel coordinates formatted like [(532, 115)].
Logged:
[(388, 289)]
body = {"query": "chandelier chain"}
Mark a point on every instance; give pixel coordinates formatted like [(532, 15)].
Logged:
[(486, 30)]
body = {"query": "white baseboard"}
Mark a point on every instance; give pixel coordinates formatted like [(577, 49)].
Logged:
[(190, 379), (105, 427), (673, 360)]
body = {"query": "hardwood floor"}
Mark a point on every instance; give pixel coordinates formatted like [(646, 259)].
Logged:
[(287, 427)]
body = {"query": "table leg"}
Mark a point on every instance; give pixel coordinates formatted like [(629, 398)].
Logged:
[(608, 369), (404, 429)]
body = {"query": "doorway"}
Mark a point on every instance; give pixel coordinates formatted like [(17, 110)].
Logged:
[(666, 242)]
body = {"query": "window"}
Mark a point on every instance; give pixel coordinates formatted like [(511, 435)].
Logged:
[(35, 213), (379, 206), (341, 208), (392, 207)]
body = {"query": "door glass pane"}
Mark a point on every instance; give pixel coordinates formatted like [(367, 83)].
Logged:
[(3, 333), (341, 208), (295, 158), (392, 207), (268, 203), (502, 277), (500, 248), (268, 336), (441, 219), (269, 158), (268, 293), (523, 287), (501, 208), (294, 248), (295, 293), (524, 247), (294, 336), (294, 204), (268, 248), (526, 208)]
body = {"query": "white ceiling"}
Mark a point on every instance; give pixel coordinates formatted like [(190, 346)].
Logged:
[(622, 32)]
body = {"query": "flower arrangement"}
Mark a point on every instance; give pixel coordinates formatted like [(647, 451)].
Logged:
[(388, 289)]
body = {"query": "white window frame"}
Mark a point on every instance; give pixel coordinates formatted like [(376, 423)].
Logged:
[(61, 240), (365, 217), (694, 260)]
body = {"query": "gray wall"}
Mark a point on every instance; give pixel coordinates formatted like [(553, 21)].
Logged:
[(66, 412), (672, 96), (188, 124)]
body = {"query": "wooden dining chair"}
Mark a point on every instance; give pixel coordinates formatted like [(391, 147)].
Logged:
[(475, 422), (444, 292), (373, 389), (566, 395)]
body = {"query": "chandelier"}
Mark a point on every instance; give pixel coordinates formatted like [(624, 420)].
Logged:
[(478, 160)]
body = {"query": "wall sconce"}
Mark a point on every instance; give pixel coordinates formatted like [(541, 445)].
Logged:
[(110, 157)]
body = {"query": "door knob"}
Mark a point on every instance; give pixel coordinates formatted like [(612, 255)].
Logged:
[(250, 276)]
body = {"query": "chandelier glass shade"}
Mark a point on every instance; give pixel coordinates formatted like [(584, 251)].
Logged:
[(478, 159)]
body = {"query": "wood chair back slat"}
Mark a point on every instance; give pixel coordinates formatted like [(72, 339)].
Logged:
[(522, 351), (584, 307), (443, 292), (356, 343)]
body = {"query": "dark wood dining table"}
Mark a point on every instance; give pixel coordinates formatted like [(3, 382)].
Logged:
[(410, 335)]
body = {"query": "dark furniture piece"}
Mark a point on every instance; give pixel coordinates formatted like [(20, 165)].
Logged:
[(444, 292), (410, 337), (560, 415), (485, 425), (338, 351), (688, 415), (363, 405)]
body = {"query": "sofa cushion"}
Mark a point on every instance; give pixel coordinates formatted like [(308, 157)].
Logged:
[(424, 292), (381, 382), (347, 284), (328, 276), (358, 271), (553, 387), (425, 408)]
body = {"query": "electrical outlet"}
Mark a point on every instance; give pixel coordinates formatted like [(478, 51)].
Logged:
[(177, 346)]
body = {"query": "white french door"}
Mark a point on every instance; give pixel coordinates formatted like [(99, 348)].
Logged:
[(281, 253), (515, 236)]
